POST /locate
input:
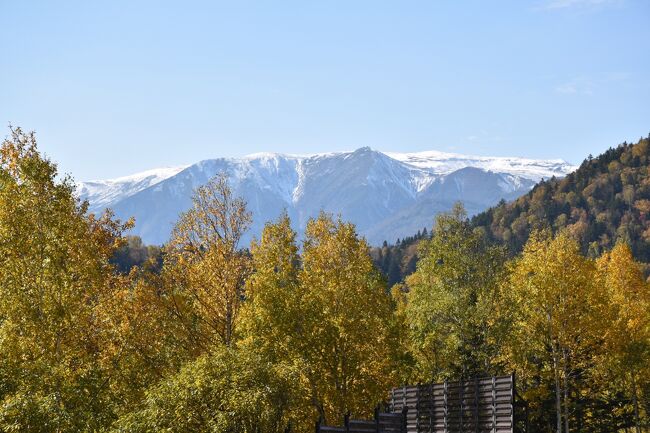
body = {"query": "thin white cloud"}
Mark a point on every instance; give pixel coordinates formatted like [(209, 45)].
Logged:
[(577, 86), (567, 89), (588, 85), (566, 4)]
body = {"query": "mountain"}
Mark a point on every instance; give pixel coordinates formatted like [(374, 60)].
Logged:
[(387, 195), (605, 201), (103, 193)]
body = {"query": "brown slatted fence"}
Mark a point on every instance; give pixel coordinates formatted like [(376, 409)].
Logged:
[(481, 405)]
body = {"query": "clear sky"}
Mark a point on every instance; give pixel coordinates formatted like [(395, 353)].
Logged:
[(116, 87)]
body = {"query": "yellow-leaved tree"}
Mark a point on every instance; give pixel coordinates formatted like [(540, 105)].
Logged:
[(347, 348), (275, 316), (205, 269), (56, 289), (625, 360), (325, 317), (556, 308), (225, 335)]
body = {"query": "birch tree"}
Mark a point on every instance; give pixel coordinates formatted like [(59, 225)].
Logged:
[(205, 268), (557, 323), (348, 322), (626, 356), (451, 300)]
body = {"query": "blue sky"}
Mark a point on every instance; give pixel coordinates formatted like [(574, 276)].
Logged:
[(115, 87)]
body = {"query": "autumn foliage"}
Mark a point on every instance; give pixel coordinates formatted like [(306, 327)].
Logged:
[(207, 334)]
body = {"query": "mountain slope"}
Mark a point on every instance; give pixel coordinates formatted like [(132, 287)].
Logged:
[(386, 195), (103, 193), (472, 186), (606, 200)]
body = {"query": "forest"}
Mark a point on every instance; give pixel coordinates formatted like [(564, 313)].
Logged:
[(604, 202), (99, 333)]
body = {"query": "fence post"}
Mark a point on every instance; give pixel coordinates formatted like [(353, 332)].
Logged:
[(432, 413), (445, 412), (512, 400), (346, 421), (377, 419), (462, 402), (494, 405), (476, 403), (317, 429), (417, 408), (405, 411)]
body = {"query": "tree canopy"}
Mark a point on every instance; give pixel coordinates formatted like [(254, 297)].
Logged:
[(101, 333)]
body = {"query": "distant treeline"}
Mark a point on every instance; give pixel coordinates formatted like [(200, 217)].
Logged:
[(134, 253), (101, 333), (396, 261)]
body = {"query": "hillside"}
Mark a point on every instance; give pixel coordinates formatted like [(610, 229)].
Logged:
[(606, 200)]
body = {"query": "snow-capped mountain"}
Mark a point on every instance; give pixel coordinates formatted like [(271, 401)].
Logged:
[(387, 195), (445, 163), (103, 193)]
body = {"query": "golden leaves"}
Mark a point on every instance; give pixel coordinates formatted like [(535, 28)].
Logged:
[(204, 268)]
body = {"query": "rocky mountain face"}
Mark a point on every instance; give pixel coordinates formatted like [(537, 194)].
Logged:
[(387, 195)]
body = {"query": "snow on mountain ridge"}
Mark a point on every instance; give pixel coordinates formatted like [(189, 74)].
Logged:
[(386, 194), (156, 174), (284, 172), (444, 163), (101, 193)]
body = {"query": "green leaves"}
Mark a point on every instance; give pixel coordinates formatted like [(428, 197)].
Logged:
[(325, 312), (452, 300), (224, 390), (230, 340)]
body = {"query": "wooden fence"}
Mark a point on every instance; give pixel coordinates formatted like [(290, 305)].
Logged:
[(481, 405), (383, 422)]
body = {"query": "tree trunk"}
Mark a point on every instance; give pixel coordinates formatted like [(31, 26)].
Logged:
[(558, 391), (566, 391), (566, 404), (635, 401), (228, 327)]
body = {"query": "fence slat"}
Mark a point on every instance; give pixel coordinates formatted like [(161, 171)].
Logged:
[(477, 405)]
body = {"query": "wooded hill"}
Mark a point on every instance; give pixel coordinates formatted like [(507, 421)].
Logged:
[(605, 201)]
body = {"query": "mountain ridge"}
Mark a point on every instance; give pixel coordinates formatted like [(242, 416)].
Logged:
[(365, 186)]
